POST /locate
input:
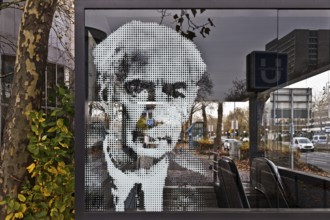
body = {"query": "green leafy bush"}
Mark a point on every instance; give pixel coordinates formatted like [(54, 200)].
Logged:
[(205, 146), (244, 151), (48, 192)]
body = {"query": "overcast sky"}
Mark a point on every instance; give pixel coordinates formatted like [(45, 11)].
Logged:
[(236, 34)]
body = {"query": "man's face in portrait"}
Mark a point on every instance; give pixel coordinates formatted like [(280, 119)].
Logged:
[(153, 72), (164, 100)]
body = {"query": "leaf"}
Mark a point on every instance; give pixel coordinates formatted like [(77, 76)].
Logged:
[(8, 217), (60, 122), (65, 130), (202, 10), (34, 174), (190, 35), (42, 120), (53, 212), (33, 149), (44, 138), (17, 206), (176, 16), (180, 20), (34, 128), (54, 112), (21, 198), (177, 28), (52, 129), (11, 204), (31, 167), (207, 30), (24, 208), (194, 12), (61, 171), (188, 16), (61, 91), (41, 214), (36, 188), (52, 170), (32, 114), (19, 215), (61, 164), (46, 192), (65, 145)]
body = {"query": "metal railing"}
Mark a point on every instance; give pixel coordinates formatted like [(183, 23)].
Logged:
[(306, 190), (215, 168)]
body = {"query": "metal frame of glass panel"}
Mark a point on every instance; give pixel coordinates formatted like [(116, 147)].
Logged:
[(80, 104)]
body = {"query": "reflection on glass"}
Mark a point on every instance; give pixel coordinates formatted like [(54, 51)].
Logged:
[(300, 109), (155, 131), (295, 117)]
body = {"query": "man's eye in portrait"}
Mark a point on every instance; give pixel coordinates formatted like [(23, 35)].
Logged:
[(174, 90), (136, 86)]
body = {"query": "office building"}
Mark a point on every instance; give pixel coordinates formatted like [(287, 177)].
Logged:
[(307, 50)]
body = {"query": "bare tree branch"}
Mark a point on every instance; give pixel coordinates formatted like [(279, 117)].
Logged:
[(185, 23), (16, 4), (164, 14), (8, 42), (5, 75), (238, 91), (62, 22)]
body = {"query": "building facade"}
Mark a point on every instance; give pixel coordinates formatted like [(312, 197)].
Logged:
[(307, 50)]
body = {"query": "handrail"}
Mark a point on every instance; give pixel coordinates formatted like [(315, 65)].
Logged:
[(263, 193), (259, 166), (231, 185), (215, 168)]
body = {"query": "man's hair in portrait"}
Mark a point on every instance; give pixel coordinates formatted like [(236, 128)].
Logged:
[(145, 48)]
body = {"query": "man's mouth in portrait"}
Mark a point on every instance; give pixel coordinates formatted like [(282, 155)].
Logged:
[(155, 141), (152, 140)]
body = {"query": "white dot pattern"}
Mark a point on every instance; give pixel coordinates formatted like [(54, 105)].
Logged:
[(147, 83)]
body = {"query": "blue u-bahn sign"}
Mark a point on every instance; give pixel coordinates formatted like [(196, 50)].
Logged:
[(265, 70)]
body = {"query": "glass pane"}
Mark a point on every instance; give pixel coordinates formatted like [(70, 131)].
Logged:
[(295, 116), (305, 37), (7, 70), (152, 123), (8, 63)]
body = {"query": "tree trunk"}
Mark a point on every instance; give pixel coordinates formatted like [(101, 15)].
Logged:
[(219, 125), (30, 65), (191, 115), (205, 131)]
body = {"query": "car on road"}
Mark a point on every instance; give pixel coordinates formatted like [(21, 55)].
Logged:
[(319, 139), (303, 144)]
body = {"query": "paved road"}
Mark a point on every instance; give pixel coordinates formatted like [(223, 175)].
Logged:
[(319, 159)]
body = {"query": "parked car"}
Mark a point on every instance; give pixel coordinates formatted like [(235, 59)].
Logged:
[(303, 144), (319, 139)]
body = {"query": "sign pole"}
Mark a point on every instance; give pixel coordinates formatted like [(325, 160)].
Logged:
[(292, 130), (327, 131)]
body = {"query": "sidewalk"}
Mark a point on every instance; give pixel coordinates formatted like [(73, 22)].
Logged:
[(245, 175), (243, 170)]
